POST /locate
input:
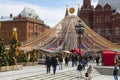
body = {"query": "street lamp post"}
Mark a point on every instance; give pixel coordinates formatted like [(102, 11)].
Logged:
[(80, 31)]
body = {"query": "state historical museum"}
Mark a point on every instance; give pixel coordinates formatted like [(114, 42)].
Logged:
[(103, 19), (27, 23)]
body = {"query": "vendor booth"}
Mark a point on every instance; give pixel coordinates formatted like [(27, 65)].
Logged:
[(108, 57), (46, 52)]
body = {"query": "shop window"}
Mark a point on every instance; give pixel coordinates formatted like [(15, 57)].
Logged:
[(107, 32)]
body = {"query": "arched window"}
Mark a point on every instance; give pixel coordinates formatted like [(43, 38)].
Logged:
[(107, 32), (107, 18), (99, 31), (117, 31), (100, 19), (97, 19)]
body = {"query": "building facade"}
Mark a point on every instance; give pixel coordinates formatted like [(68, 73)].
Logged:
[(104, 18), (27, 23)]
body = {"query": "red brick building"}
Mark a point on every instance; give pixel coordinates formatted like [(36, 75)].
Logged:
[(104, 18), (27, 23)]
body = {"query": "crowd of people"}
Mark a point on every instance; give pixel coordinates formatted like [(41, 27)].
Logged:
[(54, 61), (80, 61)]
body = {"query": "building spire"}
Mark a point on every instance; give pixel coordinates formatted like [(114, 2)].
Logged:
[(67, 12), (78, 9)]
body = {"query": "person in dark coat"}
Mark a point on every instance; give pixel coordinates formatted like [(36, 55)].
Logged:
[(60, 62), (66, 61), (79, 58), (76, 59), (54, 64), (48, 64), (97, 60), (73, 60), (115, 73), (83, 62), (79, 68)]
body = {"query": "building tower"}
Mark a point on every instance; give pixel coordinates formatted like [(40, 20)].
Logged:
[(67, 11), (86, 4), (86, 12)]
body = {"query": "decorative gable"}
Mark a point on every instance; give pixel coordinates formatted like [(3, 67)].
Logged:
[(98, 7), (107, 7)]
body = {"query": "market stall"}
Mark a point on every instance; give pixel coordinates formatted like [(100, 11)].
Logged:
[(108, 57)]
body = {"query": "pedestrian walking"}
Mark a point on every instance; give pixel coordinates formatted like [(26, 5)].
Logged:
[(54, 64), (83, 62), (66, 61), (60, 62), (79, 68), (115, 73), (97, 60), (73, 60), (48, 64)]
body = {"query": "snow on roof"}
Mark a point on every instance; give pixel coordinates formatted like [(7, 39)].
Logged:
[(6, 18), (117, 10), (27, 12), (113, 3)]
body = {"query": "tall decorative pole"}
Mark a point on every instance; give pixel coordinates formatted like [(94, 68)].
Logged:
[(80, 31)]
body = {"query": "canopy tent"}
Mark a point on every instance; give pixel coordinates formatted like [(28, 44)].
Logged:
[(67, 51), (51, 48), (27, 49), (49, 51), (78, 51), (63, 36)]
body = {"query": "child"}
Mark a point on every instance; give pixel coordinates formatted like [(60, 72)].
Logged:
[(87, 74), (79, 68)]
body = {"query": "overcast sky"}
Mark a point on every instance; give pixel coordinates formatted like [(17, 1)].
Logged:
[(51, 11)]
